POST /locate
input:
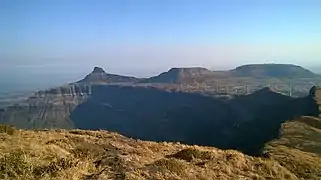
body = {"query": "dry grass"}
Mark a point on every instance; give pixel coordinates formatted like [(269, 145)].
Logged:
[(7, 129), (299, 147), (60, 154)]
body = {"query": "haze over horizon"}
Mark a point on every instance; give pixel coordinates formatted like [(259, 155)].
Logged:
[(142, 38)]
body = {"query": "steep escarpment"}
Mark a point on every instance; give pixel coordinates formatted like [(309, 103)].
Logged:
[(46, 109)]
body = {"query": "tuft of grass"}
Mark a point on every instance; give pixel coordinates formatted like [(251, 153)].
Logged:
[(191, 153), (170, 165), (14, 165), (54, 167), (81, 152), (8, 129)]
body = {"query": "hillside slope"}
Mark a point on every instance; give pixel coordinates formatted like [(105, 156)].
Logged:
[(299, 147), (77, 154)]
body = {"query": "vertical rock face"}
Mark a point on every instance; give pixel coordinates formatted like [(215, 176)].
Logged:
[(68, 90), (47, 109)]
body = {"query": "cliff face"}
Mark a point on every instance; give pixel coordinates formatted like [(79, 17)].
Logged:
[(47, 109), (51, 108)]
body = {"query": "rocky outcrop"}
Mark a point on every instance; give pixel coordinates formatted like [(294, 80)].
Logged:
[(99, 76)]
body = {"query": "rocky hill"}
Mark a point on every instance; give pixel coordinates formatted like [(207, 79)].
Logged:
[(273, 70), (77, 154), (182, 75), (98, 75)]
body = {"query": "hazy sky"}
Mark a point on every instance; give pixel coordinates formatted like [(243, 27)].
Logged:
[(143, 37)]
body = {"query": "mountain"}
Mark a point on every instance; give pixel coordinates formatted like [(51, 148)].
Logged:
[(279, 134), (98, 75), (79, 154), (273, 70), (244, 79), (181, 75), (154, 114)]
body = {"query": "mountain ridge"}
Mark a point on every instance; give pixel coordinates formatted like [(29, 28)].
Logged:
[(98, 75), (179, 75), (273, 70)]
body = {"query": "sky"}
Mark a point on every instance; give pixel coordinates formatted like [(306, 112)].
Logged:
[(43, 38)]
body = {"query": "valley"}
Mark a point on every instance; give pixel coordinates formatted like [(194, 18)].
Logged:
[(192, 106)]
